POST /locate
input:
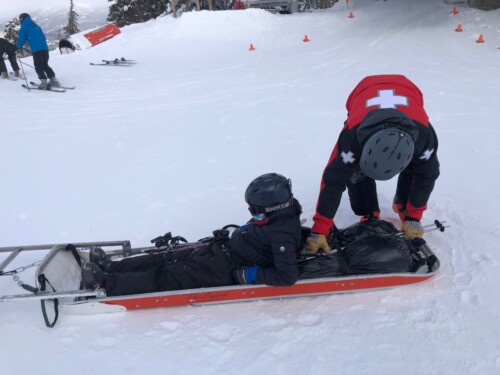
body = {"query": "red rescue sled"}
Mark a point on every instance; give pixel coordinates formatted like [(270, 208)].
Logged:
[(58, 279)]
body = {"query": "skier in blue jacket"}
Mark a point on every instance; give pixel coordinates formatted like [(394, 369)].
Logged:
[(31, 33)]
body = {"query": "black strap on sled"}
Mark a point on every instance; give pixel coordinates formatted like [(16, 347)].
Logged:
[(43, 281), (168, 240), (72, 248)]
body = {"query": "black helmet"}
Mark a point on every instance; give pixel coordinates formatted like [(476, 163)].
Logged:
[(268, 193), (23, 16), (386, 153)]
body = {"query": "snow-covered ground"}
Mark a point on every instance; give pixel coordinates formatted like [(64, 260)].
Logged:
[(171, 143)]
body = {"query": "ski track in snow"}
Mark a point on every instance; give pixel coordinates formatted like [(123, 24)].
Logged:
[(171, 143)]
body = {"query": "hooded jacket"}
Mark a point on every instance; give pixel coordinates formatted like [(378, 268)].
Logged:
[(6, 47), (32, 33), (378, 102), (272, 246)]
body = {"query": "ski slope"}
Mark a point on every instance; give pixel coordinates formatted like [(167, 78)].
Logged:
[(171, 143)]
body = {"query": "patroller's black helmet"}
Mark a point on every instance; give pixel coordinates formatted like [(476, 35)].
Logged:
[(268, 193), (386, 153), (23, 16)]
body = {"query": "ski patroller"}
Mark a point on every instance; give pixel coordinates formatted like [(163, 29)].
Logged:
[(58, 279)]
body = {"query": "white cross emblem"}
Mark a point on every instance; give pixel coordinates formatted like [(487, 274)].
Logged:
[(387, 99), (427, 154), (347, 158)]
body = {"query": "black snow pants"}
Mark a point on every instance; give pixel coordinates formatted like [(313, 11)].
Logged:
[(363, 197), (209, 266), (41, 61), (12, 59)]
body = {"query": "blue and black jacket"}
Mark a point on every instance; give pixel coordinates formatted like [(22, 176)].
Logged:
[(32, 33)]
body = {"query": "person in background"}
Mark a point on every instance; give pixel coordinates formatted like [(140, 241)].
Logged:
[(387, 133), (8, 48), (31, 33)]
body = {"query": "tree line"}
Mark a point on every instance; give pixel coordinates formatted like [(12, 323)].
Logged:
[(127, 12)]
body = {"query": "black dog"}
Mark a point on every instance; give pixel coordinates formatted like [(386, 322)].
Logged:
[(65, 43)]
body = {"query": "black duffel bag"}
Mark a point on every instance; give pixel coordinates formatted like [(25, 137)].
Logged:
[(375, 247)]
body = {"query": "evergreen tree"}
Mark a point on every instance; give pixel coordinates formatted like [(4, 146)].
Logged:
[(127, 12), (325, 4), (72, 26), (11, 30), (11, 34)]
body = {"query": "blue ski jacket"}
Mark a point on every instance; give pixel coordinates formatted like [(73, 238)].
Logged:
[(32, 33)]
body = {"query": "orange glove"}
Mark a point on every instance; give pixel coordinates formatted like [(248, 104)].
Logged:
[(411, 229), (314, 242)]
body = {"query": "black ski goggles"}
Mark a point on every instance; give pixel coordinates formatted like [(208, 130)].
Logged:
[(255, 210)]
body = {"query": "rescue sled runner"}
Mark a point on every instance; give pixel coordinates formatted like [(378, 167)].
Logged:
[(58, 277)]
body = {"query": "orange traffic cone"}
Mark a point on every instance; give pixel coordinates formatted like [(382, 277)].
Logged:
[(480, 39), (251, 47), (454, 11), (459, 28), (306, 39), (350, 15)]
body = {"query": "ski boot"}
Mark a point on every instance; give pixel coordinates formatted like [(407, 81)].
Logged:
[(44, 85), (98, 256), (5, 75), (93, 277), (16, 73), (373, 216), (54, 82)]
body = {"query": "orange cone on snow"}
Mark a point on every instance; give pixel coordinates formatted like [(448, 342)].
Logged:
[(459, 28), (454, 11), (306, 39), (251, 47), (480, 39), (350, 15)]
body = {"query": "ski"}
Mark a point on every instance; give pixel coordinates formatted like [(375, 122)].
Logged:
[(109, 64), (34, 88), (11, 74), (60, 87), (120, 60)]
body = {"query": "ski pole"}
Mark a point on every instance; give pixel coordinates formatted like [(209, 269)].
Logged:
[(438, 225), (26, 64), (24, 74)]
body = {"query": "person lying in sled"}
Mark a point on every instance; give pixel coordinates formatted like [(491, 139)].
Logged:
[(264, 251), (387, 133)]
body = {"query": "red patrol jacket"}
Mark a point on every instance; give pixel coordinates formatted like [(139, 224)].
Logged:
[(372, 93), (385, 91)]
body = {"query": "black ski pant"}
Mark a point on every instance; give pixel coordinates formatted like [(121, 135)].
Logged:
[(363, 197), (12, 59), (208, 266), (41, 61), (405, 181)]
